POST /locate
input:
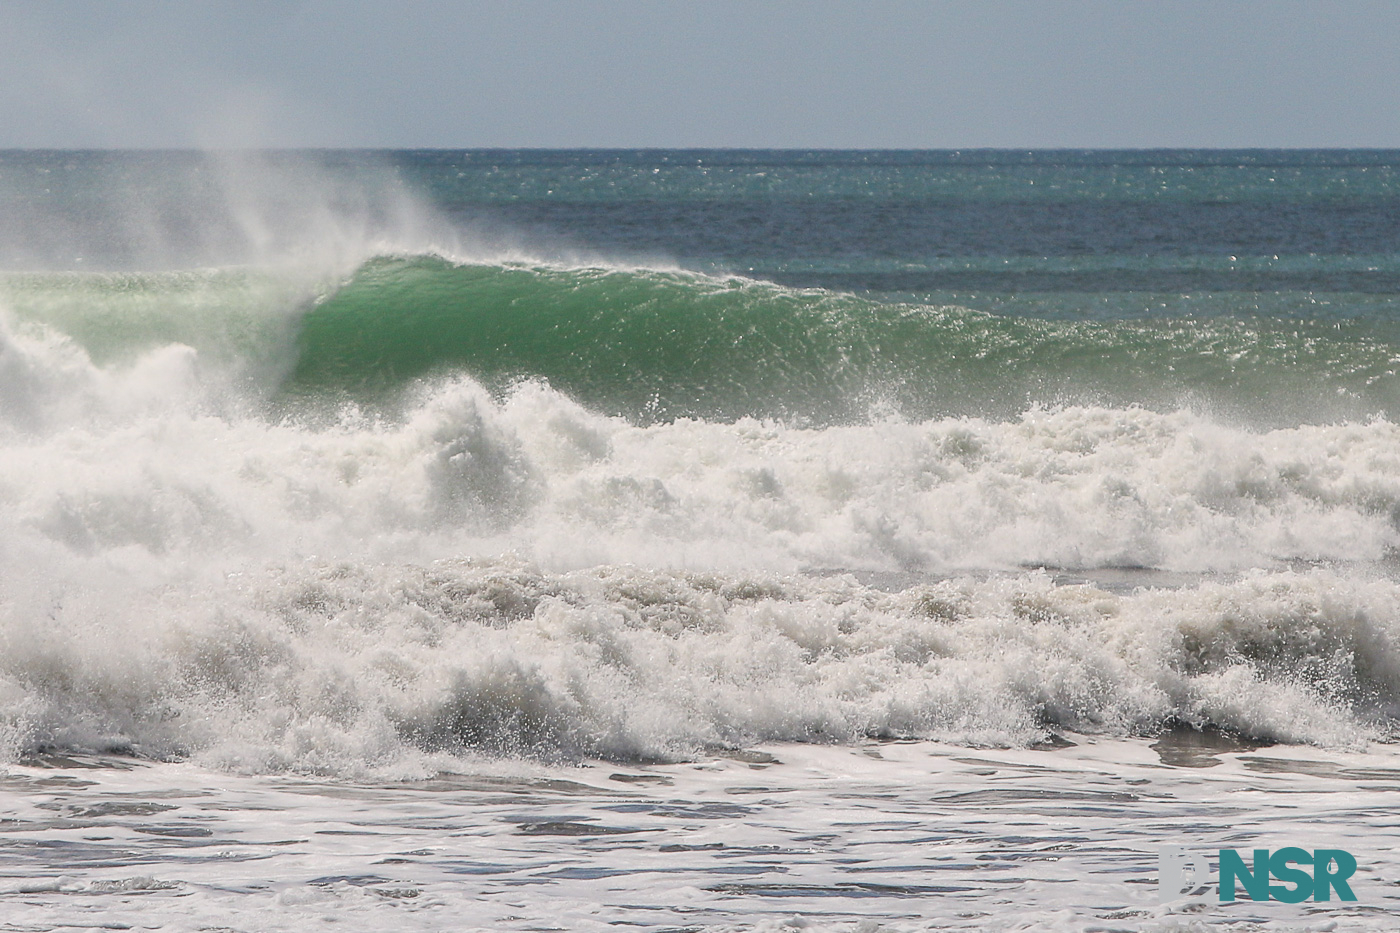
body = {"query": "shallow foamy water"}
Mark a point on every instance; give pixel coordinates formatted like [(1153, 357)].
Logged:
[(895, 836)]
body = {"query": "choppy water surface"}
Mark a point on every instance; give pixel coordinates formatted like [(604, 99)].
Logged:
[(894, 836)]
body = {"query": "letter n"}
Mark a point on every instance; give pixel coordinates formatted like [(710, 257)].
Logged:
[(1256, 882)]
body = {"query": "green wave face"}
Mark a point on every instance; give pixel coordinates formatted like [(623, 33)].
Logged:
[(654, 345)]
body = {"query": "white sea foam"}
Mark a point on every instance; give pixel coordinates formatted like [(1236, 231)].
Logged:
[(463, 473), (185, 576), (359, 669)]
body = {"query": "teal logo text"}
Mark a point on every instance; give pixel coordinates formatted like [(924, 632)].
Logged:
[(1291, 875)]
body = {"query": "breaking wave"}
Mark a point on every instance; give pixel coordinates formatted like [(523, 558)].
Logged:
[(433, 510)]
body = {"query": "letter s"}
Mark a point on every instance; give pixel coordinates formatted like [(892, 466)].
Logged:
[(1278, 867)]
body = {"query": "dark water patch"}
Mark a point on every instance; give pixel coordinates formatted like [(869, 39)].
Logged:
[(695, 810), (476, 868), (509, 789), (746, 755), (71, 852), (1003, 765), (175, 832), (703, 847), (592, 874), (1186, 747), (659, 779), (356, 880), (65, 760), (110, 808), (872, 796), (44, 782), (18, 826), (1027, 794), (1052, 742), (763, 868), (1131, 914), (1323, 769), (843, 889), (573, 828)]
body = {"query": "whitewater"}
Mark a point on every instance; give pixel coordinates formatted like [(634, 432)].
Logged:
[(522, 541)]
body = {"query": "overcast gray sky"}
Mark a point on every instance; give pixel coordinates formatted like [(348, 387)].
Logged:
[(437, 73)]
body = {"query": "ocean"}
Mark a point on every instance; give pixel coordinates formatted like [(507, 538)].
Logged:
[(695, 540)]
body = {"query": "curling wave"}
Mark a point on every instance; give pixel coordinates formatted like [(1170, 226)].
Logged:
[(649, 344)]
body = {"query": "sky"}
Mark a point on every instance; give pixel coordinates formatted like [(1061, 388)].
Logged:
[(699, 73)]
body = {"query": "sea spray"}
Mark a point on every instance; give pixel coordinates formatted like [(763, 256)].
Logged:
[(169, 211)]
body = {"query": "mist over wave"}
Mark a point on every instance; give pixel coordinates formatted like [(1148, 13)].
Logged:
[(150, 211)]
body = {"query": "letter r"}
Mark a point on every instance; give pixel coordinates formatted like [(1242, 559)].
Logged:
[(1324, 880)]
